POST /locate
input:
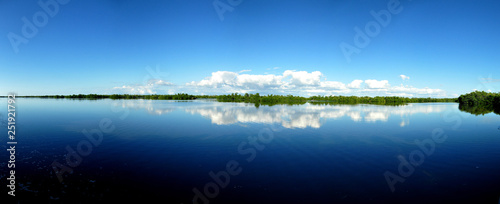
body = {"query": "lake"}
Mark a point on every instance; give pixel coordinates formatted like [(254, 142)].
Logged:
[(203, 151)]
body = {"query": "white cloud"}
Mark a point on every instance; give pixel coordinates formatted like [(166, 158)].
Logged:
[(356, 84), (137, 89), (227, 79), (302, 83), (159, 82), (218, 79), (409, 91), (374, 84), (332, 85), (303, 78), (153, 86), (404, 77), (245, 70), (258, 81)]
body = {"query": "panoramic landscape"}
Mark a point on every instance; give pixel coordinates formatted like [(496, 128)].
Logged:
[(235, 101)]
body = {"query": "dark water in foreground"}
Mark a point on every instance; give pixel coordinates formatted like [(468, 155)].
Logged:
[(237, 153)]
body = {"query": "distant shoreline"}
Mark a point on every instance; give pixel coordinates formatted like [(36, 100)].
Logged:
[(477, 102), (258, 99)]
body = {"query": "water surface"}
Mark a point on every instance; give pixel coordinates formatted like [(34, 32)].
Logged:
[(285, 153)]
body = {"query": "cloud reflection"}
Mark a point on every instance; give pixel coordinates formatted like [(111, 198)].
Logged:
[(297, 116), (151, 106)]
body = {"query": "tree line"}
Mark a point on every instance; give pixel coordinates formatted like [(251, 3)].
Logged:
[(263, 99), (477, 102), (480, 102), (290, 99), (179, 96), (377, 99)]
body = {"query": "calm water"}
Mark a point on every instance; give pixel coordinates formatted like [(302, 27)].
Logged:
[(279, 154)]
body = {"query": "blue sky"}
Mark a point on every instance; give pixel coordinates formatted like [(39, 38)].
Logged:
[(426, 48)]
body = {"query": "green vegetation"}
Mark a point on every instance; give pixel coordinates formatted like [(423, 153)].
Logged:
[(480, 98), (179, 96), (206, 96), (257, 99), (381, 100), (477, 102), (480, 102), (289, 99)]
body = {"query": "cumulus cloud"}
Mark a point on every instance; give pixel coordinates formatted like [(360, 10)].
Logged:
[(258, 81), (356, 84), (250, 81), (302, 83), (222, 79), (374, 84), (303, 78), (404, 77), (218, 79)]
